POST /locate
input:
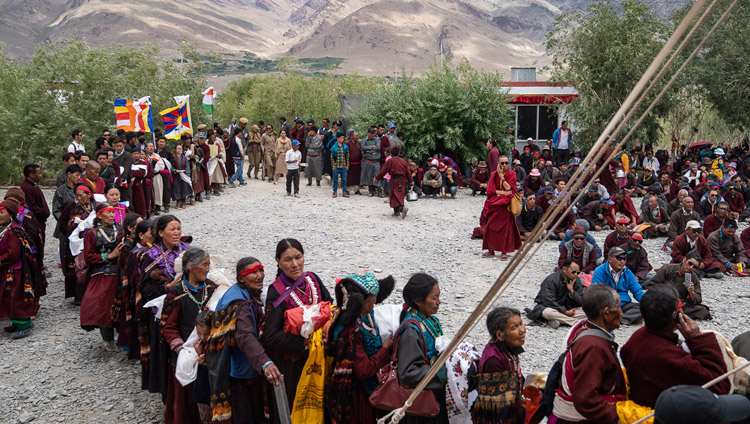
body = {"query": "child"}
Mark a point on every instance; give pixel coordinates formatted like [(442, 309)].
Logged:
[(201, 387)]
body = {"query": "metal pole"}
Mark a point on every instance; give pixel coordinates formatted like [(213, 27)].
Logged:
[(282, 404)]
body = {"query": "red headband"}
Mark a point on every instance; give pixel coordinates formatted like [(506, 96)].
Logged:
[(85, 188), (107, 209), (3, 208), (252, 269)]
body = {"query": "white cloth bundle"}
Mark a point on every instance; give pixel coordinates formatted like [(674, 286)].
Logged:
[(158, 303), (387, 319), (457, 395), (186, 369), (76, 241)]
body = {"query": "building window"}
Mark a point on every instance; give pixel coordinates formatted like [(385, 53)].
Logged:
[(536, 121), (547, 122)]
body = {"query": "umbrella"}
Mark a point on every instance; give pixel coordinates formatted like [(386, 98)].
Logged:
[(699, 144)]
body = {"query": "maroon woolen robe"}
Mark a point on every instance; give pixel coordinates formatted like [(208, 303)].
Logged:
[(625, 208), (501, 231), (400, 172)]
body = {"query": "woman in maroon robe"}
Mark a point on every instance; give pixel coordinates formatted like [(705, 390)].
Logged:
[(501, 232), (400, 172), (355, 163), (138, 172)]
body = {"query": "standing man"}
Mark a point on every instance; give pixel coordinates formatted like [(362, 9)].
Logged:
[(284, 126), (562, 139), (293, 159), (166, 174), (123, 161), (35, 200), (371, 164), (329, 136), (76, 145), (67, 159), (92, 179), (493, 155), (340, 163)]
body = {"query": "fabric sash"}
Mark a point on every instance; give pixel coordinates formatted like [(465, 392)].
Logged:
[(288, 291)]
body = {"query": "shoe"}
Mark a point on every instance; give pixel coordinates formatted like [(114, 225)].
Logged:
[(231, 185), (19, 334), (334, 195), (553, 323), (77, 302), (110, 346), (11, 328), (217, 193), (296, 194), (156, 213), (318, 183), (270, 181), (346, 194), (274, 182), (166, 209), (358, 193), (370, 194), (256, 177), (308, 184), (488, 255), (192, 201), (403, 213), (199, 199), (289, 194), (244, 184), (716, 275)]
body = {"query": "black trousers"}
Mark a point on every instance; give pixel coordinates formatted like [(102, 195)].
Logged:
[(292, 175), (561, 156)]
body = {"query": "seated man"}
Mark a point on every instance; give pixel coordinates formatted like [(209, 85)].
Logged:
[(620, 235), (559, 297), (479, 179), (623, 206), (727, 248), (655, 190), (592, 380), (591, 194), (533, 181), (589, 239), (432, 182), (655, 219), (518, 169), (654, 358), (707, 206), (735, 199), (450, 183), (417, 175), (595, 213), (546, 199), (615, 274), (699, 405), (638, 259), (715, 220), (579, 250), (692, 241), (680, 218), (689, 292), (530, 215), (647, 179), (676, 203)]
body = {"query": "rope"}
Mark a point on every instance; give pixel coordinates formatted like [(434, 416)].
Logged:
[(594, 155), (705, 386)]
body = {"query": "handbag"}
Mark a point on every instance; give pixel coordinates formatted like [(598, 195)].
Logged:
[(515, 204), (81, 268), (391, 394)]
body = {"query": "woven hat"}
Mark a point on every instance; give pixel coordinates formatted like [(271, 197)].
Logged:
[(579, 230), (11, 206), (243, 121), (366, 281)]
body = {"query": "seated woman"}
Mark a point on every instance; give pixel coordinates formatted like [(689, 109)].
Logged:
[(186, 298), (358, 352), (499, 379), (416, 346), (292, 288)]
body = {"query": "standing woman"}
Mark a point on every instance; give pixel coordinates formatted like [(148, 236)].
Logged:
[(421, 303), (292, 288), (268, 144), (101, 249), (123, 309), (157, 276), (356, 347), (79, 211), (283, 144), (186, 298), (314, 167), (113, 199), (501, 232), (20, 276), (499, 378), (182, 185)]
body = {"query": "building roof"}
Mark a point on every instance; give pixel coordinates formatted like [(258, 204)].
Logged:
[(540, 92)]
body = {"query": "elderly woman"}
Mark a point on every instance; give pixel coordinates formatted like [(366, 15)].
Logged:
[(187, 296), (419, 330), (20, 278), (292, 288), (237, 384), (499, 378), (101, 250), (358, 352), (157, 276)]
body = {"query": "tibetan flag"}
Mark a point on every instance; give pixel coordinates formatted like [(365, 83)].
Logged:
[(134, 115), (176, 120), (208, 100)]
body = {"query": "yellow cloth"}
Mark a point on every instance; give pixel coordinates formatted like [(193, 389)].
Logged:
[(625, 163), (308, 400), (630, 412)]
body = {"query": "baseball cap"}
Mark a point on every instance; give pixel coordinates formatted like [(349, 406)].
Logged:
[(693, 224), (295, 143), (391, 125), (622, 220), (593, 188), (607, 200), (637, 236), (696, 405), (516, 162), (616, 251)]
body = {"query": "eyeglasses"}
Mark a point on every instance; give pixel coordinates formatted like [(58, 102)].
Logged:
[(695, 230), (636, 241), (575, 272), (621, 258), (579, 238), (711, 195)]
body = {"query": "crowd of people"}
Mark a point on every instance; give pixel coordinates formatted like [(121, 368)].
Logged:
[(243, 351)]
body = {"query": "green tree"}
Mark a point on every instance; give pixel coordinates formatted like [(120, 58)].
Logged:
[(604, 51), (451, 109)]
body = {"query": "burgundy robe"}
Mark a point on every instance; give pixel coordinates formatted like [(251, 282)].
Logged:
[(355, 163), (625, 208), (681, 247), (400, 172), (606, 178), (139, 198), (736, 202), (711, 224), (501, 231)]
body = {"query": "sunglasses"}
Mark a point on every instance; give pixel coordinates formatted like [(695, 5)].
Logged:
[(579, 238), (621, 258), (636, 241), (504, 163), (692, 264), (622, 223), (575, 272)]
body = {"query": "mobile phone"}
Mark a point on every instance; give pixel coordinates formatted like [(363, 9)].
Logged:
[(688, 279), (676, 316)]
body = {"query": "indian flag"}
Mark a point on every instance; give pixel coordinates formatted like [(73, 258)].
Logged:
[(208, 100)]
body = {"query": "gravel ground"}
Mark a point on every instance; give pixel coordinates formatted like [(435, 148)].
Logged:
[(62, 374)]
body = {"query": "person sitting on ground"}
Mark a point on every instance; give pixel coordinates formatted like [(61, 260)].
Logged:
[(533, 181), (696, 405), (735, 200), (638, 259), (518, 169), (654, 358), (688, 288), (620, 235), (615, 274), (546, 198), (679, 219), (479, 179), (417, 175), (589, 239), (692, 241), (559, 298), (656, 218), (669, 187), (647, 179), (592, 380), (655, 190), (591, 194), (579, 250), (727, 248), (595, 213), (531, 214), (563, 174), (432, 182), (715, 220), (450, 183), (676, 204), (549, 173), (623, 207), (708, 206)]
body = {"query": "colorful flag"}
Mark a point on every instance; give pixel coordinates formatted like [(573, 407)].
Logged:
[(177, 120), (134, 115), (208, 100)]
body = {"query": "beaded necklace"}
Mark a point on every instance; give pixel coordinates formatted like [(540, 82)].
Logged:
[(168, 263), (4, 230), (431, 324), (313, 297), (190, 295), (371, 328)]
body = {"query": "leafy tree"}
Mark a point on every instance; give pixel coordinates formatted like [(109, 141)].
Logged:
[(451, 109), (604, 51)]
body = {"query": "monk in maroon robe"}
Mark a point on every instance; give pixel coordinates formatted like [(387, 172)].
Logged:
[(355, 162), (501, 231), (623, 206), (400, 173)]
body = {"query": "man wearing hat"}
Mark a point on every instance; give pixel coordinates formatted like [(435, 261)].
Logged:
[(479, 179), (679, 219), (533, 181), (559, 298), (545, 199), (620, 235), (518, 169), (646, 179), (202, 128), (591, 195), (692, 240), (298, 133), (696, 405), (293, 159), (525, 159), (615, 274), (656, 191), (595, 213), (638, 259), (727, 248)]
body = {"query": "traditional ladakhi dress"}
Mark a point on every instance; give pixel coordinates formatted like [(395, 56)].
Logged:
[(501, 232), (182, 185), (123, 308), (355, 163), (96, 306), (282, 146), (20, 277), (73, 286), (287, 350), (499, 385)]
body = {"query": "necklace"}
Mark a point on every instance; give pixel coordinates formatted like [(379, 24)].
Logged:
[(371, 328), (87, 208), (4, 230), (190, 295), (312, 298)]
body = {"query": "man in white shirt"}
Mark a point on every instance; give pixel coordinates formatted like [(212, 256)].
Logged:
[(651, 161), (293, 158), (562, 139), (76, 145)]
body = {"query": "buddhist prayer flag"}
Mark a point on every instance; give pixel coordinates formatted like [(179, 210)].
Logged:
[(177, 119), (134, 115), (208, 100)]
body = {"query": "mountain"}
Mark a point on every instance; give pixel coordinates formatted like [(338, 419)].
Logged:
[(375, 37)]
